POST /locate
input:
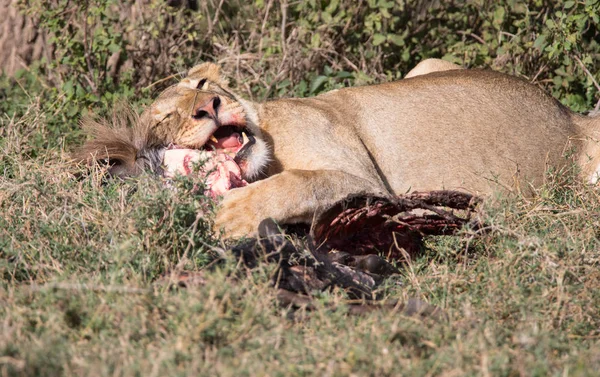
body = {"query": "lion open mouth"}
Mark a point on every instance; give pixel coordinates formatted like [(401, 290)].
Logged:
[(220, 161), (232, 140)]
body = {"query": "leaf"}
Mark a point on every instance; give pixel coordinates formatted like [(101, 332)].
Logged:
[(378, 39), (315, 41), (301, 88), (540, 42), (344, 75), (113, 47), (499, 15), (332, 6), (572, 38), (317, 83), (68, 88), (406, 55), (396, 39)]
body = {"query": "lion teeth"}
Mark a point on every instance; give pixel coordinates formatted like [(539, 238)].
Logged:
[(213, 139), (245, 138)]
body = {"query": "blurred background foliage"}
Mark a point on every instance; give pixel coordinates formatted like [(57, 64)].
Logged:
[(97, 51)]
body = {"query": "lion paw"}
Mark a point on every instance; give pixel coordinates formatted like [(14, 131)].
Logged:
[(239, 213)]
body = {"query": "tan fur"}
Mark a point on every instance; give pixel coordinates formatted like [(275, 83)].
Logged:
[(131, 145), (475, 131), (171, 115), (471, 130), (431, 65)]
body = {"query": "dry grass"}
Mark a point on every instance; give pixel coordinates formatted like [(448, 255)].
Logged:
[(79, 255)]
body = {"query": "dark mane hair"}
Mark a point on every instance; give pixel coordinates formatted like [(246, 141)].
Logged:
[(125, 142)]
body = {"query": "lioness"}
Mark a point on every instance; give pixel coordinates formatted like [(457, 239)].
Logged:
[(471, 130)]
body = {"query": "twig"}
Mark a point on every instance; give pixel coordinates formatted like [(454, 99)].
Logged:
[(597, 107), (162, 80), (262, 28), (87, 53), (474, 36), (284, 7), (538, 73), (217, 11), (352, 65), (221, 252), (208, 20)]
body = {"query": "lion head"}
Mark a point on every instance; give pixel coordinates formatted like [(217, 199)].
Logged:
[(198, 114)]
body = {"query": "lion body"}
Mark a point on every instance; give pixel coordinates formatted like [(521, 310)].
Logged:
[(474, 131), (430, 132), (470, 130)]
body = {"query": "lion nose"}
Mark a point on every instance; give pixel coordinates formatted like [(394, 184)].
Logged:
[(208, 109)]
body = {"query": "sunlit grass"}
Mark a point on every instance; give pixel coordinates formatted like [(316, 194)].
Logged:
[(80, 255)]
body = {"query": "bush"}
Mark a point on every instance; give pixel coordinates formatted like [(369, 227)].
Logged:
[(276, 48)]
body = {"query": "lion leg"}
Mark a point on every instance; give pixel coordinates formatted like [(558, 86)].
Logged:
[(431, 65), (293, 196)]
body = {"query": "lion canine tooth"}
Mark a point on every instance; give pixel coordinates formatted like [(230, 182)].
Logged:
[(245, 138), (213, 139)]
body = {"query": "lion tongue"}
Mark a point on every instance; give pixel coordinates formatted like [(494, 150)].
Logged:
[(231, 141)]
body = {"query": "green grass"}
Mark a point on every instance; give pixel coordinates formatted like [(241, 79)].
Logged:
[(80, 255)]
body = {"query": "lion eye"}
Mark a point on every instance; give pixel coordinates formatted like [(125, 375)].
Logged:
[(201, 84)]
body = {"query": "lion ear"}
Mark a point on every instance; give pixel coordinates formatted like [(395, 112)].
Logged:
[(208, 71)]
